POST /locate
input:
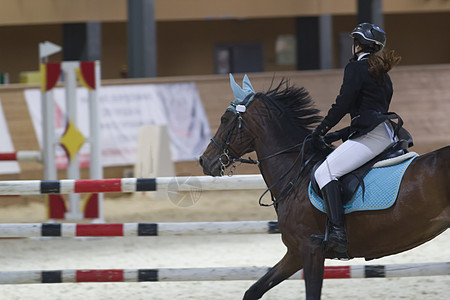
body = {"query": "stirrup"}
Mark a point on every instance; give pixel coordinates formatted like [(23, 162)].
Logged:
[(317, 239), (321, 239), (337, 247)]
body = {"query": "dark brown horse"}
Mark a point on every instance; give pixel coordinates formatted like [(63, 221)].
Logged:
[(281, 118)]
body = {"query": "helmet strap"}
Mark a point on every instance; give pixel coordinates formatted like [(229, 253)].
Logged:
[(355, 53)]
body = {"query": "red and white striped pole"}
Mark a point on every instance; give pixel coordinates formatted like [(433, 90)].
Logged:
[(19, 156), (129, 185), (136, 229), (216, 274)]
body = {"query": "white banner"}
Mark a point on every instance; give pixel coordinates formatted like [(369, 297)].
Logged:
[(123, 109), (6, 146)]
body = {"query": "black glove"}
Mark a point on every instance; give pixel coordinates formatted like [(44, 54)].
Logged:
[(317, 141), (317, 137), (332, 137)]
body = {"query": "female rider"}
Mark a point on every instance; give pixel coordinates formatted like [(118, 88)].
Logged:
[(365, 94)]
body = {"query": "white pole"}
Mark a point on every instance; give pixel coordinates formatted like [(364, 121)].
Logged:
[(73, 171), (48, 116), (95, 164), (49, 142)]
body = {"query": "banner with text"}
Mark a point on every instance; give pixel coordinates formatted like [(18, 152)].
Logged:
[(122, 110)]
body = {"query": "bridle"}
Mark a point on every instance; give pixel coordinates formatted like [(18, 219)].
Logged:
[(225, 160)]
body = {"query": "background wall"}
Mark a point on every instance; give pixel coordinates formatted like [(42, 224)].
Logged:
[(421, 97), (418, 37), (187, 47), (19, 50)]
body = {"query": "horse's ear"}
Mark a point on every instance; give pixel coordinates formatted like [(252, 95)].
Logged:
[(238, 92), (247, 86)]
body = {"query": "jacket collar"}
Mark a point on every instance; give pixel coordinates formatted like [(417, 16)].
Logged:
[(363, 56)]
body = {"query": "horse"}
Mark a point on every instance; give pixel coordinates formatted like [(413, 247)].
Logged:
[(275, 124)]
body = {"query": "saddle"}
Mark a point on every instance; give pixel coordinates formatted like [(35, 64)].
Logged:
[(351, 181)]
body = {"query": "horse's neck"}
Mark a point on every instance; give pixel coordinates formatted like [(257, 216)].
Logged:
[(274, 168)]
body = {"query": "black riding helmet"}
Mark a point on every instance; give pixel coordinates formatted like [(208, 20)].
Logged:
[(371, 38)]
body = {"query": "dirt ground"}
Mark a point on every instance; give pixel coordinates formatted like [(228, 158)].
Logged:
[(193, 251)]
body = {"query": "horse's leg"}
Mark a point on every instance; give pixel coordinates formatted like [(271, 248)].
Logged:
[(313, 268), (287, 266)]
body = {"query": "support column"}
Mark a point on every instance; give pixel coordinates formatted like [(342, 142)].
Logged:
[(370, 11), (82, 41), (314, 42), (326, 41), (141, 39)]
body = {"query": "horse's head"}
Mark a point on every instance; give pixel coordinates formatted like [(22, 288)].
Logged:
[(233, 138), (268, 123)]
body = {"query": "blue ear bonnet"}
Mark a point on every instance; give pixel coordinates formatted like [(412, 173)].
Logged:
[(242, 96)]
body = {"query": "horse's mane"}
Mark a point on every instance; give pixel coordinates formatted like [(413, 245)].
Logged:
[(295, 107), (292, 101)]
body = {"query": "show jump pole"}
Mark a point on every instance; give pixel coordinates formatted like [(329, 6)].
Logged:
[(129, 185)]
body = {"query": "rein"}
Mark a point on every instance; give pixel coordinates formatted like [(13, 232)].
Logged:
[(280, 152), (225, 160), (285, 192), (230, 161)]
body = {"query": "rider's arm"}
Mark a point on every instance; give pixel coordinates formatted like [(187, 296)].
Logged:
[(350, 89)]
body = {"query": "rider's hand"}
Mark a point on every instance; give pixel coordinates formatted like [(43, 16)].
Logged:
[(318, 141), (329, 138), (318, 136)]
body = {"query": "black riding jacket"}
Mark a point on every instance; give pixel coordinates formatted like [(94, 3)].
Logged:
[(364, 97)]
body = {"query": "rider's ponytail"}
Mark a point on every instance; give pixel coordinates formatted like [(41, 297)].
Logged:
[(382, 61)]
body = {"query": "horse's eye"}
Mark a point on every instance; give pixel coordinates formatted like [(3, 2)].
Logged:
[(223, 120)]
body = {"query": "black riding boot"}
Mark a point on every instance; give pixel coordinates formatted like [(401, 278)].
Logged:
[(337, 237)]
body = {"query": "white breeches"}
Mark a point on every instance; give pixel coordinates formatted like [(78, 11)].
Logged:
[(354, 153)]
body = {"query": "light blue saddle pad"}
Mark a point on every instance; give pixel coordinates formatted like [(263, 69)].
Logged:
[(381, 189)]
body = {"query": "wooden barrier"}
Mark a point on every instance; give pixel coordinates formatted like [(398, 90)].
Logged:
[(216, 274), (127, 185), (136, 229)]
